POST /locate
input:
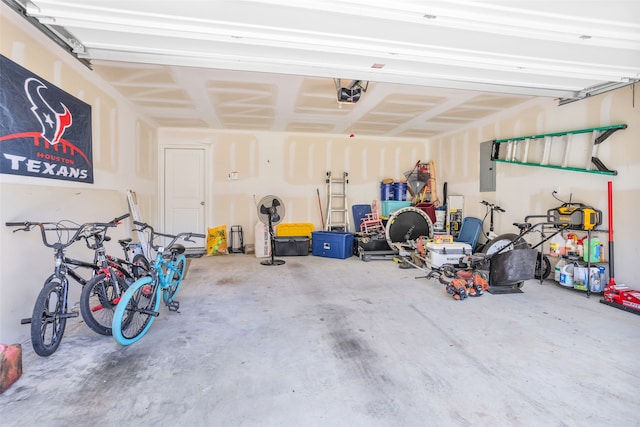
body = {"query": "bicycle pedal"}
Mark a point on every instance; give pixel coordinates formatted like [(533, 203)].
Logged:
[(173, 306), (69, 315), (25, 321)]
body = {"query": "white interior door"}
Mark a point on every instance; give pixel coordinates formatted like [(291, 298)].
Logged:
[(184, 192)]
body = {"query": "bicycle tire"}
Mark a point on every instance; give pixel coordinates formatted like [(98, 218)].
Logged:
[(542, 270), (140, 266), (47, 324), (132, 317), (98, 302), (174, 279)]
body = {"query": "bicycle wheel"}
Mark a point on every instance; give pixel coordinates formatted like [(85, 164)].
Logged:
[(174, 278), (543, 269), (47, 321), (98, 302), (135, 312), (140, 267)]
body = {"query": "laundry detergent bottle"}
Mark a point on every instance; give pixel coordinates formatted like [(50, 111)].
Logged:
[(592, 250), (558, 269), (566, 275)]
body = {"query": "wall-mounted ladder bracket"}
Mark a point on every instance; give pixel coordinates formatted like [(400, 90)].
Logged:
[(522, 150), (337, 209)]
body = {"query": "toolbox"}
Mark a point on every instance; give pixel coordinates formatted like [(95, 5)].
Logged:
[(437, 254)]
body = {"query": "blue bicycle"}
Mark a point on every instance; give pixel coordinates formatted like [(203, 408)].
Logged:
[(138, 306)]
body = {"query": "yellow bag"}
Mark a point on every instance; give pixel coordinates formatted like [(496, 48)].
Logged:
[(217, 241)]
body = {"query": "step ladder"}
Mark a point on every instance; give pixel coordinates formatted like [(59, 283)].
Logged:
[(527, 150), (337, 209)]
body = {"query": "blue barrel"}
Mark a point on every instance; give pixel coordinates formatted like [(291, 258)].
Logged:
[(386, 192), (400, 191)]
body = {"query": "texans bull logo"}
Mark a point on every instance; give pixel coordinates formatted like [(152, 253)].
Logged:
[(53, 122)]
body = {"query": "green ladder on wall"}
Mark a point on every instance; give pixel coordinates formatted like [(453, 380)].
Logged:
[(519, 150)]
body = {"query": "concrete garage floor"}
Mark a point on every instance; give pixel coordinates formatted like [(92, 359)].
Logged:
[(325, 342)]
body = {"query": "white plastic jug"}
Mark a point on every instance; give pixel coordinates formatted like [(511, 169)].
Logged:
[(558, 269), (556, 245), (566, 275)]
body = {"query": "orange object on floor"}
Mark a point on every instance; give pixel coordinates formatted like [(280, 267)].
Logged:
[(10, 365)]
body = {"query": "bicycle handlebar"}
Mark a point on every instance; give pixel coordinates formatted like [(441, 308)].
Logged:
[(174, 238), (492, 206), (79, 231), (16, 224)]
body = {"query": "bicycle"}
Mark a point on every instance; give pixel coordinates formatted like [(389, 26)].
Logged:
[(138, 306), (101, 294), (50, 311), (490, 235)]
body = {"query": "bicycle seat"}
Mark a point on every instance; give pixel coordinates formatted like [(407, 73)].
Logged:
[(522, 225), (125, 242), (177, 248)]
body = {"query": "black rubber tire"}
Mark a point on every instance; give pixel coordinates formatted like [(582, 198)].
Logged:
[(140, 266), (494, 245), (98, 302), (542, 270), (47, 325), (169, 294), (132, 318)]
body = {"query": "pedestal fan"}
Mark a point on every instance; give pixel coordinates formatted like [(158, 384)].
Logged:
[(271, 212)]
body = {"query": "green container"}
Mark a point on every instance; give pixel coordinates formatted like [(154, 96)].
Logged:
[(592, 250)]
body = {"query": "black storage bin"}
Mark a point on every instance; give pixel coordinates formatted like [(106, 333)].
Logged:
[(370, 244), (292, 245)]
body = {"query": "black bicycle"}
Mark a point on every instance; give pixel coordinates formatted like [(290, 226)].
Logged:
[(51, 310), (491, 208), (101, 294)]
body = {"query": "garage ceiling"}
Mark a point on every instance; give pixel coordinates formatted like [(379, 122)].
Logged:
[(431, 66)]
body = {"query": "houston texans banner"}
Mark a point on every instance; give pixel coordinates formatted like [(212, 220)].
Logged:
[(44, 131)]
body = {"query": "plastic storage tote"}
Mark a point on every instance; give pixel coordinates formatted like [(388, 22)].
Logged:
[(332, 244)]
